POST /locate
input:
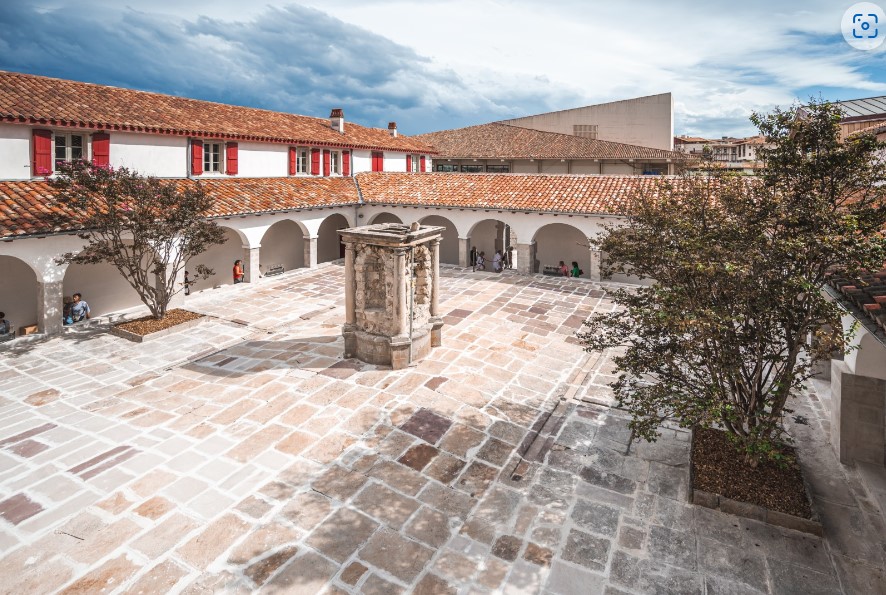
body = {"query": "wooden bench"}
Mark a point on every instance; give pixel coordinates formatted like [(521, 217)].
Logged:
[(551, 270), (276, 269)]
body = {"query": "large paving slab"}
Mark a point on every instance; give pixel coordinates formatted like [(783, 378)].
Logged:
[(245, 455)]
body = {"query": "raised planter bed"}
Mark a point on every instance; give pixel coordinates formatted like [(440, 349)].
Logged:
[(147, 328), (771, 494)]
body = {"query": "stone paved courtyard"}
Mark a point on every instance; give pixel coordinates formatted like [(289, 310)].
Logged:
[(244, 454)]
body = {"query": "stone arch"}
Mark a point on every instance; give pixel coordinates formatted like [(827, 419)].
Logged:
[(560, 241), (220, 258), (18, 291), (283, 244), (449, 239), (329, 246), (102, 286), (384, 217), (489, 235)]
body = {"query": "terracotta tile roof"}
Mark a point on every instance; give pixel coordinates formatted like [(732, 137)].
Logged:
[(24, 209), (532, 192), (26, 98), (503, 141)]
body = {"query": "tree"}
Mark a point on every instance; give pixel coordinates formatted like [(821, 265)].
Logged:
[(146, 227), (734, 320)]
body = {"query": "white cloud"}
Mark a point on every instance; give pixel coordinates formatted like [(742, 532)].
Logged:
[(457, 62)]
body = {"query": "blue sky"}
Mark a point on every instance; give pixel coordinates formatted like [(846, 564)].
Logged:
[(452, 63)]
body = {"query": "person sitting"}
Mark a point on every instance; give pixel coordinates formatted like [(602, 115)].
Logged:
[(238, 271), (5, 326), (496, 261), (564, 270), (576, 272), (66, 310), (79, 309), (481, 262)]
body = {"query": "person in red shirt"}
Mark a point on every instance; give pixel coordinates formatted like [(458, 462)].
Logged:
[(238, 271)]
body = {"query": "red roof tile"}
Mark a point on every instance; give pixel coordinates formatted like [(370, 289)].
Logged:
[(531, 192), (503, 141), (24, 209), (26, 98)]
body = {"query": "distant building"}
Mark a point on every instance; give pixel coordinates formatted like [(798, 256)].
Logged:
[(642, 121), (505, 148)]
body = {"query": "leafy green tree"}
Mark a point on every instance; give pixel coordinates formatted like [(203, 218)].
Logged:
[(734, 320), (146, 227)]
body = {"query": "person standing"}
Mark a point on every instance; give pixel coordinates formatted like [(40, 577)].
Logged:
[(473, 257), (238, 271), (79, 308), (576, 272), (496, 261)]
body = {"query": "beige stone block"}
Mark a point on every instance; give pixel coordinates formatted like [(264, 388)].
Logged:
[(203, 549)]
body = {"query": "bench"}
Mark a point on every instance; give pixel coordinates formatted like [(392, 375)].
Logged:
[(276, 269), (551, 270)]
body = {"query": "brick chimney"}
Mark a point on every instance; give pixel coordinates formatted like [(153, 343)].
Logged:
[(337, 119), (392, 129)]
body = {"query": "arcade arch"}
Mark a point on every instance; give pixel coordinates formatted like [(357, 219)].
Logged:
[(18, 292), (329, 246), (282, 244), (559, 241), (449, 241)]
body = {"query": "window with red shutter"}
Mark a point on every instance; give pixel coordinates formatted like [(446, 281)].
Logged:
[(423, 163), (101, 149), (345, 163), (231, 151), (292, 161), (42, 164), (196, 157), (315, 162), (326, 162), (378, 161)]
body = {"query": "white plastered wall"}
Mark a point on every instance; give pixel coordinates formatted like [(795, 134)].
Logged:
[(150, 154), (262, 160), (283, 244)]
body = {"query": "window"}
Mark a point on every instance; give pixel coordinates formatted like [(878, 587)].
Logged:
[(447, 167), (69, 147), (498, 169), (472, 169), (414, 166), (212, 157), (585, 130), (301, 161), (335, 163)]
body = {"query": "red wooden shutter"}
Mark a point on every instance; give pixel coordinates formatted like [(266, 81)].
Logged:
[(326, 162), (423, 166), (231, 159), (378, 161), (345, 163), (409, 163), (42, 165), (292, 156), (315, 162), (101, 149), (196, 157)]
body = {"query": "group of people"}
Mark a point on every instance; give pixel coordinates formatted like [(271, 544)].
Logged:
[(573, 272), (500, 261), (75, 309)]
